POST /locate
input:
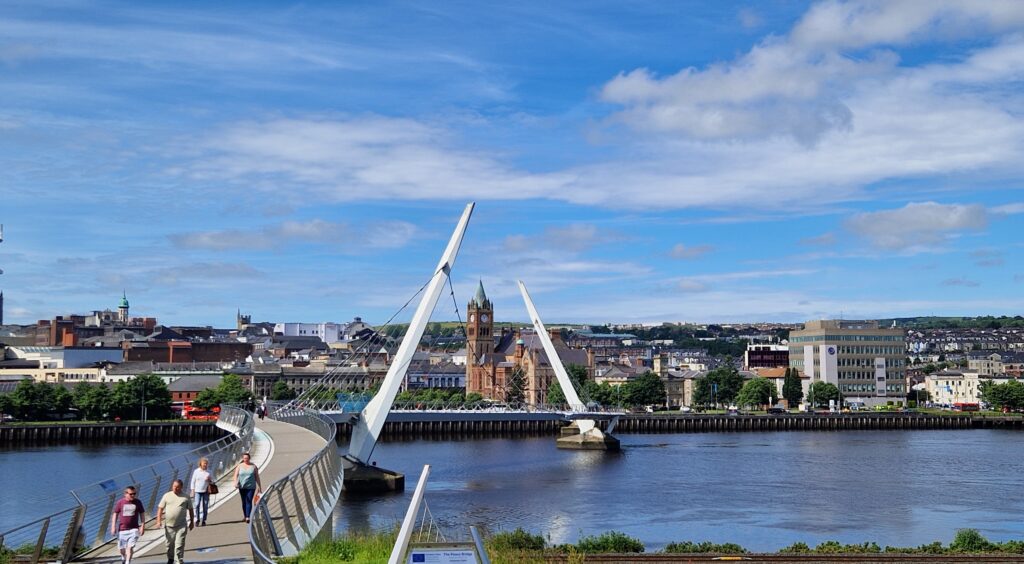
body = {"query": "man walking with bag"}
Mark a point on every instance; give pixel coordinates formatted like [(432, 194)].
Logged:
[(171, 511)]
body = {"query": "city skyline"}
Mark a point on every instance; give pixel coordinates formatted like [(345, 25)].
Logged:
[(663, 162)]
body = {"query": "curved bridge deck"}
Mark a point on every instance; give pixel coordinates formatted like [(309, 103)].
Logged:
[(278, 449)]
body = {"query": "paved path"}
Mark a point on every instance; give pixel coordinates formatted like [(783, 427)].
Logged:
[(278, 448)]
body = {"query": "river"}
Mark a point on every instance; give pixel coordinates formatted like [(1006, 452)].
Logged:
[(761, 490), (36, 480)]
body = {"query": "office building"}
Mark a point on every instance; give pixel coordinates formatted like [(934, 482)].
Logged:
[(866, 362)]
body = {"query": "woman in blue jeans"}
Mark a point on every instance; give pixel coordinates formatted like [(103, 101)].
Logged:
[(200, 487), (247, 480)]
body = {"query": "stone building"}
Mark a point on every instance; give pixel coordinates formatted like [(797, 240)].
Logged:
[(513, 364)]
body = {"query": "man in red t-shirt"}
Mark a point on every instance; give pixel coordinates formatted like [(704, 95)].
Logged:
[(127, 523)]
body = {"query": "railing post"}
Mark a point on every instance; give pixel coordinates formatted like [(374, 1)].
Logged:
[(298, 511), (101, 535), (286, 519), (42, 541), (72, 534), (268, 523)]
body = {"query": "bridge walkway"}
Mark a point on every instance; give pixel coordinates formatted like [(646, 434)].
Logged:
[(278, 449)]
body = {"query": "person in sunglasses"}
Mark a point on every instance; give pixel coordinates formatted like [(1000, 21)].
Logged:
[(128, 523)]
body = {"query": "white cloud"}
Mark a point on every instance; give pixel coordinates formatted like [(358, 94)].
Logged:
[(370, 157), (385, 234), (823, 240), (681, 251), (691, 285), (987, 257), (917, 224), (960, 282), (1008, 209), (748, 18), (795, 86), (573, 238)]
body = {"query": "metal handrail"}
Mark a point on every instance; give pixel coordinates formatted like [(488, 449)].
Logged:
[(86, 525), (294, 510)]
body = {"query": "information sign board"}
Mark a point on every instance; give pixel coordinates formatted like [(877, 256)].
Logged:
[(443, 553)]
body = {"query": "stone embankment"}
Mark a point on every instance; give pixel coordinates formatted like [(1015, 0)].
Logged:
[(690, 423), (110, 432)]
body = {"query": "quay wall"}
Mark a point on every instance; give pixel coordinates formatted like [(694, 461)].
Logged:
[(644, 423), (110, 432)]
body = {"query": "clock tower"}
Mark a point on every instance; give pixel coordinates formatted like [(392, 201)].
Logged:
[(479, 327)]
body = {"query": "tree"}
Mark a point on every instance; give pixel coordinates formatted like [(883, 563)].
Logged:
[(717, 386), (577, 375), (281, 391), (647, 389), (757, 391), (25, 401), (93, 401), (702, 391), (145, 389), (792, 389), (515, 387), (821, 392), (1009, 395), (61, 401)]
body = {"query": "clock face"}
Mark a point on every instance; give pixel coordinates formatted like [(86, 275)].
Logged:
[(472, 317), (484, 318)]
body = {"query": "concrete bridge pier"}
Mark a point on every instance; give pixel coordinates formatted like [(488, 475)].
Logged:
[(573, 437), (362, 478)]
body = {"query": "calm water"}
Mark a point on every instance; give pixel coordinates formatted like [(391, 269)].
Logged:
[(762, 490), (36, 480)]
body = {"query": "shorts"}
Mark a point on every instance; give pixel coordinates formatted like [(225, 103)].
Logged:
[(127, 538)]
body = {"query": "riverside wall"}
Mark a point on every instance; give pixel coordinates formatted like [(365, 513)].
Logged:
[(686, 423), (110, 432)]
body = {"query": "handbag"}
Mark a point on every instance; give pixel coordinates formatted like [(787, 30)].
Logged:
[(212, 489)]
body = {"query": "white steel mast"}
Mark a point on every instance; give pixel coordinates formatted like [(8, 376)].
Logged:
[(366, 430)]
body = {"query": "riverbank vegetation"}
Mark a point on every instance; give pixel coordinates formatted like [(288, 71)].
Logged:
[(520, 546)]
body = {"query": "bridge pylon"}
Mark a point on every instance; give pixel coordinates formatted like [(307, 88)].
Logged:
[(582, 433), (361, 475)]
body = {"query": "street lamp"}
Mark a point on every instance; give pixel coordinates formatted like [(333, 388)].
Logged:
[(142, 408)]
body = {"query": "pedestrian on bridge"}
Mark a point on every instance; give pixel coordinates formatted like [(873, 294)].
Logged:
[(247, 480), (199, 486), (171, 511), (127, 523)]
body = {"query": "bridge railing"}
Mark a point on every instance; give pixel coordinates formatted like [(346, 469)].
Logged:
[(86, 524), (294, 510)]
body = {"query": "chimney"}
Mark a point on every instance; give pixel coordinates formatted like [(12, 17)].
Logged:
[(555, 334)]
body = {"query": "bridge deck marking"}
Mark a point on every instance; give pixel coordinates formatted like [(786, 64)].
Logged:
[(286, 447)]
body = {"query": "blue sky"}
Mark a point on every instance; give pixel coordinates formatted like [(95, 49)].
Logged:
[(631, 162)]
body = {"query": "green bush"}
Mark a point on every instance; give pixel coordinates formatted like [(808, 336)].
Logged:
[(611, 541), (687, 547), (796, 548), (969, 540), (516, 540)]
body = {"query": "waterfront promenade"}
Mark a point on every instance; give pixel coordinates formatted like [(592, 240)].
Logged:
[(278, 449)]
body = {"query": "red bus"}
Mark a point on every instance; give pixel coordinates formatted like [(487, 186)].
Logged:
[(194, 413), (966, 407)]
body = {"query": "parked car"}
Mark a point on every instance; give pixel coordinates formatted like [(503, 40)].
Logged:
[(776, 410)]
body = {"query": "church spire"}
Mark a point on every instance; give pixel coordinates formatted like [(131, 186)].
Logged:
[(481, 297)]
